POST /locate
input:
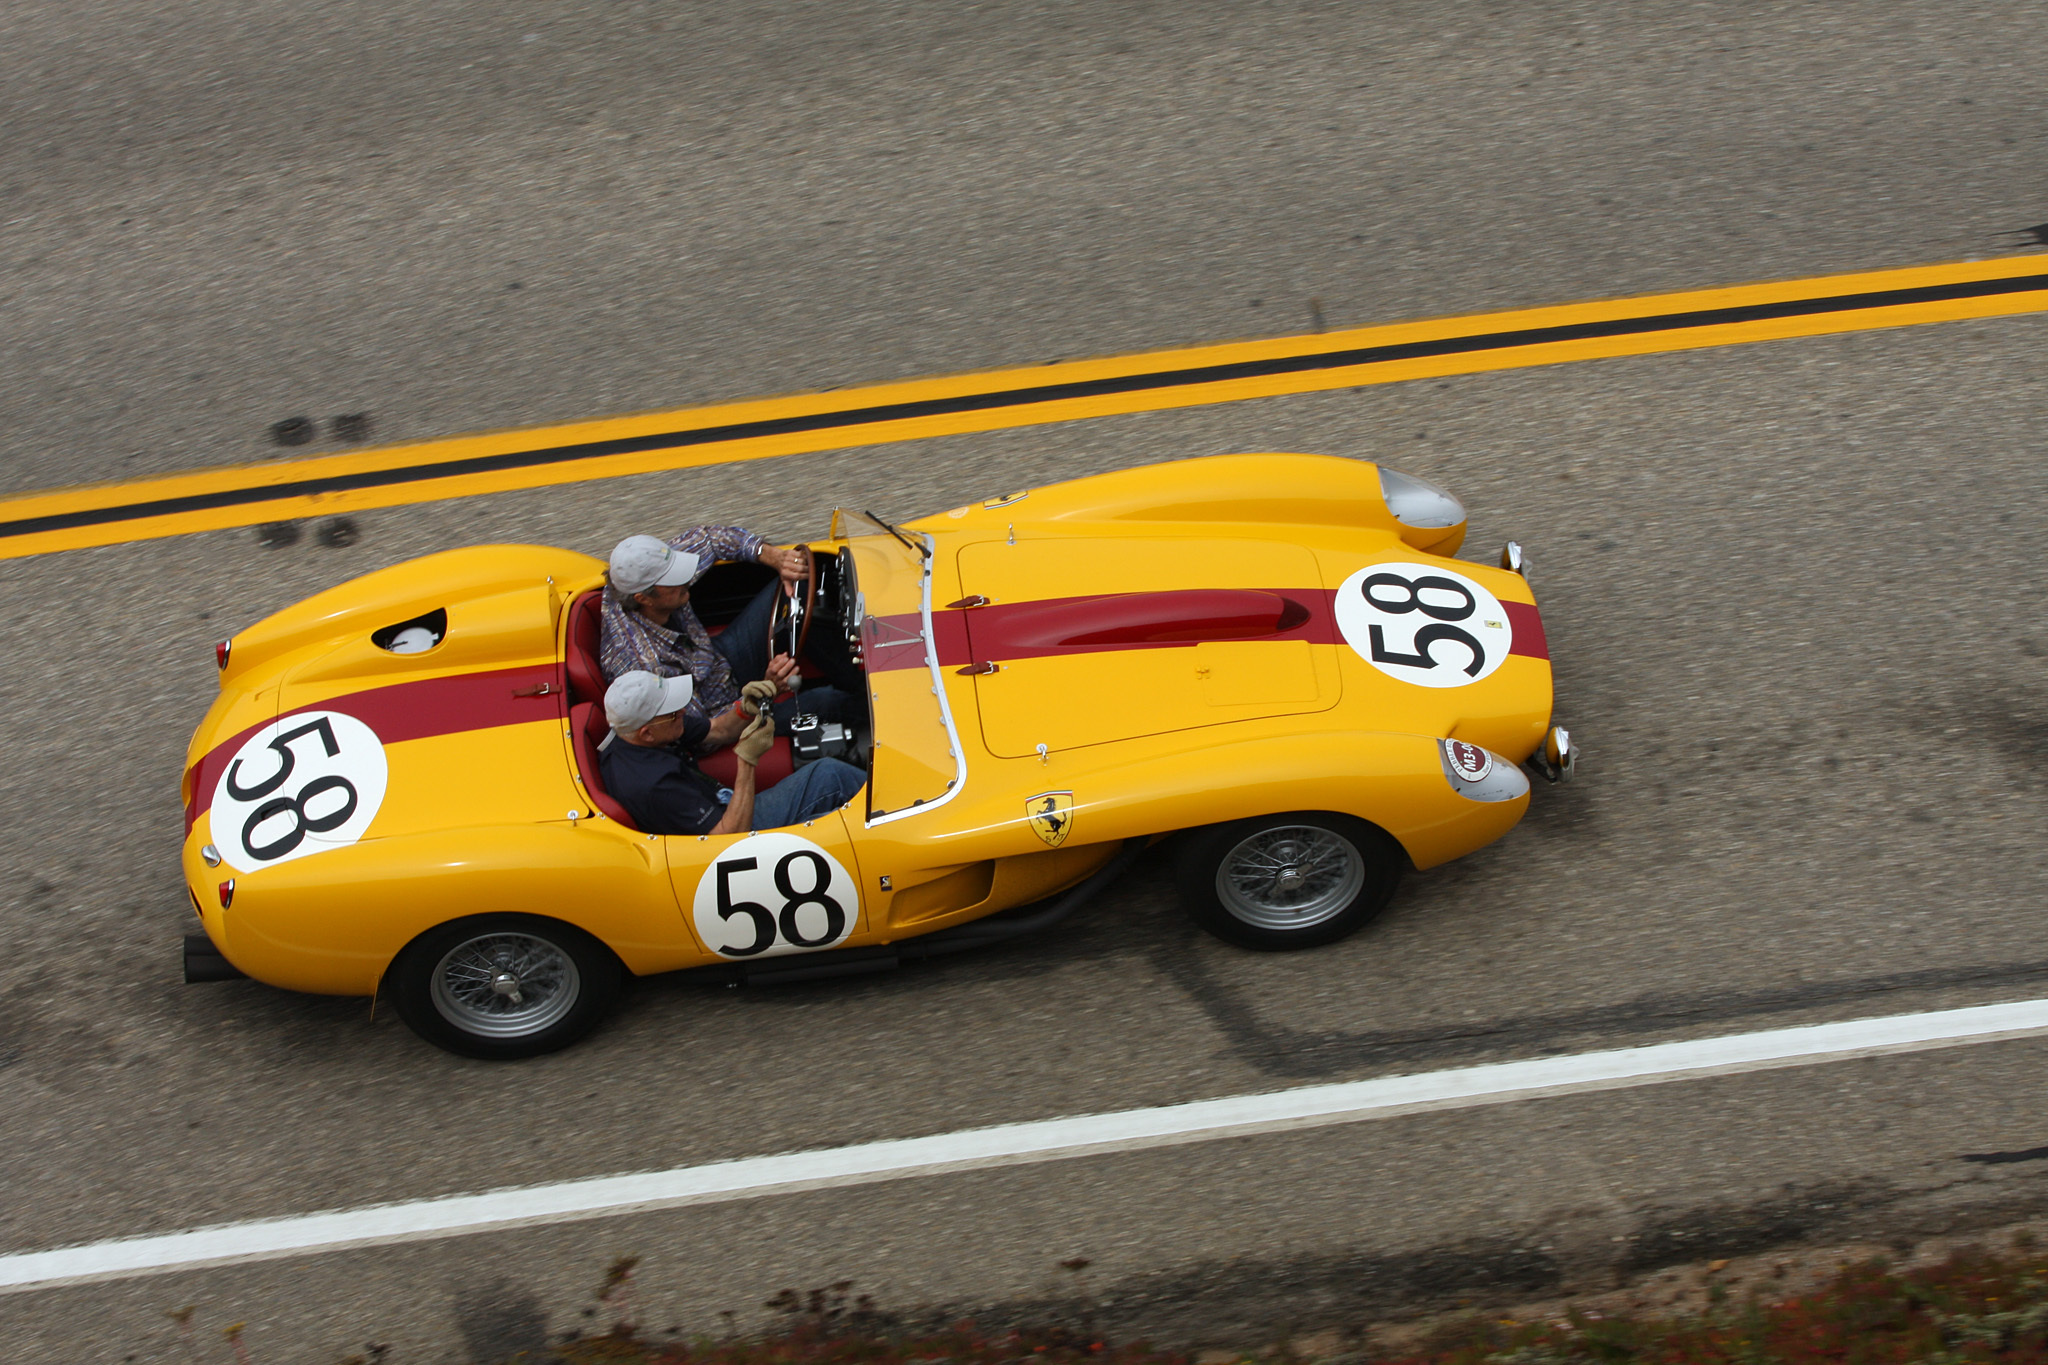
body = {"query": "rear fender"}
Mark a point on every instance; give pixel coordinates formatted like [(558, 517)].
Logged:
[(398, 593), (330, 923)]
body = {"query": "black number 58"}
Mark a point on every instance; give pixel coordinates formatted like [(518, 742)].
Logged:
[(1429, 636), (766, 922), (303, 823)]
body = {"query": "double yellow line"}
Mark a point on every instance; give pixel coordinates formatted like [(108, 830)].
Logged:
[(466, 466)]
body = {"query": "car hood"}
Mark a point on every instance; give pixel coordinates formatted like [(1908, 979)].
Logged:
[(1223, 630)]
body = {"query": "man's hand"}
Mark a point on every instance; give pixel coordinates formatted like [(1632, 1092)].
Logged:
[(725, 728), (793, 563), (781, 669), (739, 812), (758, 694), (755, 739)]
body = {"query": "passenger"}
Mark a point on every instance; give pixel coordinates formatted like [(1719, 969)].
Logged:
[(647, 624), (651, 774)]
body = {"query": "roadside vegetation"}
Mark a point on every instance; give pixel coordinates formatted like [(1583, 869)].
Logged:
[(1975, 1308)]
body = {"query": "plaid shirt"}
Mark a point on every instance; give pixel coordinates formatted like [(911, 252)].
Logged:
[(630, 641)]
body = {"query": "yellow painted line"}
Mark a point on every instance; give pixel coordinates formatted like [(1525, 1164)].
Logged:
[(498, 462)]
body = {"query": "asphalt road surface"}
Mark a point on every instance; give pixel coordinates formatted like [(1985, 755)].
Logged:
[(1793, 593)]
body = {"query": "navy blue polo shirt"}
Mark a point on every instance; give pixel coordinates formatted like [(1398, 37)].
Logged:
[(662, 790)]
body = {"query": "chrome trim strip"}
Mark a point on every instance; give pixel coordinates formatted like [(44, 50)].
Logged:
[(931, 658)]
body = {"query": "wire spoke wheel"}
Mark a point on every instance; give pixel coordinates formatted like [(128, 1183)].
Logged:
[(1275, 883), (505, 985), (1290, 877)]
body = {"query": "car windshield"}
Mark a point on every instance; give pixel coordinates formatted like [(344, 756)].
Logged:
[(917, 759)]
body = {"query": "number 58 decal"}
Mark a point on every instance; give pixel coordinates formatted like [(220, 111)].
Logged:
[(1424, 624), (309, 782), (774, 894)]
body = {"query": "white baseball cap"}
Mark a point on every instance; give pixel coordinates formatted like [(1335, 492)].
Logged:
[(635, 698), (642, 562)]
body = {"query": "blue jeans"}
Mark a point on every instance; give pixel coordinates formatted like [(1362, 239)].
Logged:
[(744, 643), (809, 792)]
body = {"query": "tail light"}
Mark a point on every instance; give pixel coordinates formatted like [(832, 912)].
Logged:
[(227, 893), (220, 654)]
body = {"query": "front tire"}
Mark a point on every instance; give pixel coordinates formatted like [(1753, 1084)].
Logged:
[(1275, 883), (502, 987)]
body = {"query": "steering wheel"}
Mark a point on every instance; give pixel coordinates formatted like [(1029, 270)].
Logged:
[(789, 627)]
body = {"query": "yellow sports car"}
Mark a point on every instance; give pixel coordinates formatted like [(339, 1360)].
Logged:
[(1270, 659)]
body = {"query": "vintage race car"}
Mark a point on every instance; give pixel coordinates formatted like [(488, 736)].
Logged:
[(1270, 659)]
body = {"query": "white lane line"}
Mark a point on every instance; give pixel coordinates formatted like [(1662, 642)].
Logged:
[(1015, 1144)]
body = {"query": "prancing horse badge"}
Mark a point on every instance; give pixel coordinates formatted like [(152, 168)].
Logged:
[(1052, 816)]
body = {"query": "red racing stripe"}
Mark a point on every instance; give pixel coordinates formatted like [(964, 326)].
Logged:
[(420, 709), (1527, 624), (1103, 623)]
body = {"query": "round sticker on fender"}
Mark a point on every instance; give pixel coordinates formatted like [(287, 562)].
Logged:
[(1423, 624), (1468, 761), (304, 784), (774, 894)]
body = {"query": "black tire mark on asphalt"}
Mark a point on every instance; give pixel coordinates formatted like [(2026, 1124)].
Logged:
[(2007, 1158), (1281, 1050), (338, 533), (292, 431)]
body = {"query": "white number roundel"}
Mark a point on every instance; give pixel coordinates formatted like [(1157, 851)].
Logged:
[(774, 894), (1423, 624), (301, 785)]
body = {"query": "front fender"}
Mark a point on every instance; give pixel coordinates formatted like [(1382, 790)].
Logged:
[(1393, 781), (1159, 785)]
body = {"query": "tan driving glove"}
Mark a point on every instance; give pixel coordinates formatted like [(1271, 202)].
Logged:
[(756, 695), (755, 739)]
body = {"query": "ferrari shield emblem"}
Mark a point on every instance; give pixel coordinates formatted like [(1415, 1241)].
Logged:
[(1052, 816)]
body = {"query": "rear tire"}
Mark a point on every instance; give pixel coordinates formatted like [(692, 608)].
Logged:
[(502, 987), (1275, 883)]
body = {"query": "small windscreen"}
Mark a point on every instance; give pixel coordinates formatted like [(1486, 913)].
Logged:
[(916, 759)]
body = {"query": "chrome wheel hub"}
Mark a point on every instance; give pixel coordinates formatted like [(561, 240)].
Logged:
[(1290, 877), (505, 985)]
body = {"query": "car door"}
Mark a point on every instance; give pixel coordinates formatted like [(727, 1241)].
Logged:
[(770, 893)]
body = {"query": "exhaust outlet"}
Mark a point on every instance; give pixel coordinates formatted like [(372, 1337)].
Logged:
[(203, 962)]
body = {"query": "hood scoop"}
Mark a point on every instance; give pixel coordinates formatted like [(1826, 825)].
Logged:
[(1133, 620), (1184, 659)]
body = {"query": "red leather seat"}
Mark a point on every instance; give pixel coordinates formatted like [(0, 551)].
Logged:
[(779, 762), (586, 675), (587, 727)]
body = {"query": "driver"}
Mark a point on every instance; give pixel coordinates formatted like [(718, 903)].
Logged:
[(647, 624)]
